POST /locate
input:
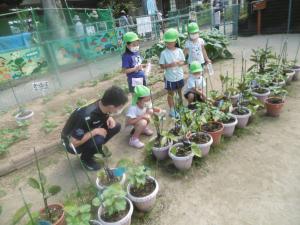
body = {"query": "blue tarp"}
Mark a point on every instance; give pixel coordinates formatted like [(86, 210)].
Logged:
[(16, 41)]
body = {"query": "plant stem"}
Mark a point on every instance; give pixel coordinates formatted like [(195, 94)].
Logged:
[(42, 187), (26, 207)]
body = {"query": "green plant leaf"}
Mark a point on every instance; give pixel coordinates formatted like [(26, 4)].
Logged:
[(196, 150), (34, 183), (54, 189), (20, 213), (85, 208), (96, 202)]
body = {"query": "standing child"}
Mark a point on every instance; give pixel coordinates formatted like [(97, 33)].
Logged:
[(194, 46), (132, 62), (195, 84), (139, 114), (172, 59)]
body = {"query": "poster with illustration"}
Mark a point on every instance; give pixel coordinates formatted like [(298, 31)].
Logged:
[(67, 52), (22, 63)]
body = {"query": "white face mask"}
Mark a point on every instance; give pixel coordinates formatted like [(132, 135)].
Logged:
[(194, 36), (148, 105), (135, 49)]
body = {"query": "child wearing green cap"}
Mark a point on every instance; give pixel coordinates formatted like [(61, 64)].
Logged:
[(194, 46), (172, 59), (139, 114), (195, 85), (132, 61)]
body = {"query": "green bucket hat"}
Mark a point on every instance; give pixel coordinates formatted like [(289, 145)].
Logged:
[(140, 91), (196, 67), (130, 37), (171, 35), (193, 28)]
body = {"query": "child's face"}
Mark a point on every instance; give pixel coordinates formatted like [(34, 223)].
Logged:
[(194, 36), (170, 44), (144, 101), (134, 46)]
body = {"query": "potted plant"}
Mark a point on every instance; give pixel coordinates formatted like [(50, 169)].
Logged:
[(289, 74), (115, 208), (105, 177), (142, 188), (76, 215), (203, 140), (182, 154), (53, 213), (163, 141), (242, 114), (229, 122), (261, 93), (215, 129), (274, 106)]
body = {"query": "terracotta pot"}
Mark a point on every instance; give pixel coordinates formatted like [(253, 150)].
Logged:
[(297, 73), (206, 146), (124, 221), (144, 204), (181, 163), (216, 135), (100, 186), (274, 109), (243, 119), (161, 153), (230, 127), (61, 220), (261, 97)]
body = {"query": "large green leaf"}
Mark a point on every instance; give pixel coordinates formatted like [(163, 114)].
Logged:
[(18, 216), (54, 189), (32, 182)]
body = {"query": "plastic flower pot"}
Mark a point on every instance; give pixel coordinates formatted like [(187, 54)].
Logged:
[(297, 72), (230, 127), (289, 75), (181, 162), (274, 106), (161, 153), (100, 186), (126, 220), (24, 115), (55, 207), (242, 119), (146, 203), (44, 222), (204, 147), (261, 93), (234, 99), (215, 133)]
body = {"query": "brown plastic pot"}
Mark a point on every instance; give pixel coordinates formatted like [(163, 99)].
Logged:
[(274, 109), (61, 220), (216, 135)]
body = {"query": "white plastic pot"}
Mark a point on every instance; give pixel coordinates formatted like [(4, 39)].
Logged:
[(234, 99), (206, 146), (230, 127), (146, 203), (243, 119), (124, 221), (181, 163), (161, 153), (100, 186), (297, 72), (289, 76), (261, 97), (20, 118)]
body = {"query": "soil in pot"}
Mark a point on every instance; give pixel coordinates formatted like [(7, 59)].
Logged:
[(56, 213), (212, 127), (183, 150), (275, 100), (240, 111), (115, 217), (261, 90), (24, 113), (106, 182), (200, 138), (230, 120), (157, 143), (147, 189)]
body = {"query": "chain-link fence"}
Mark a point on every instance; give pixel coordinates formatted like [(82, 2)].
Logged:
[(74, 48)]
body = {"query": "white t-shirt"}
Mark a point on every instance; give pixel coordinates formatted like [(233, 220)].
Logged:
[(195, 50), (192, 82), (134, 111)]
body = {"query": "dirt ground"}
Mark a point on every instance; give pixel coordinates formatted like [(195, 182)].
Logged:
[(252, 179)]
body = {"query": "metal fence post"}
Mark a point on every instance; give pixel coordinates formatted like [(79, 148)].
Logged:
[(289, 16)]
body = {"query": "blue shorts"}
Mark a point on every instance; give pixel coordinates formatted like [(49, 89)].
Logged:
[(173, 86)]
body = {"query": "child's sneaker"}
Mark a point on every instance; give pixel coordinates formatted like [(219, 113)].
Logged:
[(173, 113), (147, 131), (135, 142)]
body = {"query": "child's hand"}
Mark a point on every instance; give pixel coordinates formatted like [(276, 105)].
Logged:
[(138, 67), (208, 61)]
